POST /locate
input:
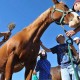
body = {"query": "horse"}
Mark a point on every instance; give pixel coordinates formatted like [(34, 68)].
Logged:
[(21, 50), (55, 73)]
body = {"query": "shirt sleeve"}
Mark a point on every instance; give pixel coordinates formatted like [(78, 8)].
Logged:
[(54, 49)]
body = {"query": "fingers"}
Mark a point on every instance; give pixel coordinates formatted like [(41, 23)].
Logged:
[(70, 33)]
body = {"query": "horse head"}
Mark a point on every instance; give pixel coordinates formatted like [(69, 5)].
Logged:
[(61, 14)]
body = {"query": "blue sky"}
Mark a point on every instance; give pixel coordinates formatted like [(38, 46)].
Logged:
[(24, 12)]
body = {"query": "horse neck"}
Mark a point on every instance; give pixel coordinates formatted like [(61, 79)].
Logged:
[(37, 28)]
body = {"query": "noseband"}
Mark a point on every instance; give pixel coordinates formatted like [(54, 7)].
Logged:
[(60, 22)]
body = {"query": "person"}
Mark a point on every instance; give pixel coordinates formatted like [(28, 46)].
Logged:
[(62, 57), (34, 75), (43, 66), (7, 34), (77, 41), (76, 7)]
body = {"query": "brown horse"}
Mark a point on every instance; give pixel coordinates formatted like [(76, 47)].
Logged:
[(22, 49), (56, 73)]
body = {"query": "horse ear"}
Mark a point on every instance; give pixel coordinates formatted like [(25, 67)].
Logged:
[(55, 1)]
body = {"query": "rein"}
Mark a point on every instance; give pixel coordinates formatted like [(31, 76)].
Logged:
[(64, 14), (71, 59), (69, 41)]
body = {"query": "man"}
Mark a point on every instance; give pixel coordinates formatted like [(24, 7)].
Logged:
[(76, 7), (77, 41), (43, 66), (7, 34)]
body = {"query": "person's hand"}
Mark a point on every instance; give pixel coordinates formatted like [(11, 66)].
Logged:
[(70, 33)]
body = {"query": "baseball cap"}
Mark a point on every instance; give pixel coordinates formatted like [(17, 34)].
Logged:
[(76, 38), (74, 4), (76, 1), (42, 52), (59, 36)]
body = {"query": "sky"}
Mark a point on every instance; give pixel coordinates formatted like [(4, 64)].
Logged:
[(23, 13)]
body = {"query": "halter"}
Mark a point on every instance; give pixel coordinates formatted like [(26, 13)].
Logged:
[(64, 14)]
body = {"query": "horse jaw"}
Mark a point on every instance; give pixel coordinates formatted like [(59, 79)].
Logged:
[(75, 22)]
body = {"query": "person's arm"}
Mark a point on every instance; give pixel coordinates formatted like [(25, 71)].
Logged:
[(74, 52), (73, 32), (4, 33), (45, 48), (77, 29), (6, 36)]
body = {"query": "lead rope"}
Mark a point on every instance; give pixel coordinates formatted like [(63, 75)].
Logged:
[(68, 36), (70, 54), (71, 59)]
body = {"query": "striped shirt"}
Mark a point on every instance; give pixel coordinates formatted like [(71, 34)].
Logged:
[(43, 66)]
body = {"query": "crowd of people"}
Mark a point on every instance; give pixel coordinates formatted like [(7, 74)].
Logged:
[(63, 58)]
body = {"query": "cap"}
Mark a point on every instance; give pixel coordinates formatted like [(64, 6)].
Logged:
[(76, 1), (59, 36), (42, 52), (76, 38)]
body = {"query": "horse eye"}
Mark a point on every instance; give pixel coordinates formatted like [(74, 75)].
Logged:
[(78, 17), (71, 19)]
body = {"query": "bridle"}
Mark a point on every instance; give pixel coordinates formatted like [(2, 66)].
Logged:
[(60, 22)]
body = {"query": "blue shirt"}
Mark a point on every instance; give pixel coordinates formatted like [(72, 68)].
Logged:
[(60, 50), (43, 66)]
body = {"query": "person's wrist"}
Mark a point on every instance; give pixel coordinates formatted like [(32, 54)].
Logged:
[(77, 29)]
